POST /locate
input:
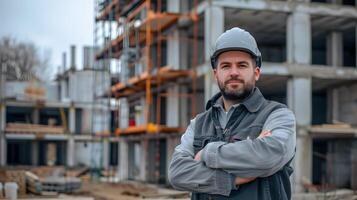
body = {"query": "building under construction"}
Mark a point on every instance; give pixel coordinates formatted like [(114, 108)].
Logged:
[(152, 74), (158, 52), (57, 123)]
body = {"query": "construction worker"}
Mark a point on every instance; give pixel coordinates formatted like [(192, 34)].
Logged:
[(242, 145)]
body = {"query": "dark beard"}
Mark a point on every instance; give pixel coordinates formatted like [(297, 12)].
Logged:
[(236, 95)]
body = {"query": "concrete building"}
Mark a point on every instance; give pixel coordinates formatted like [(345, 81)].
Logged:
[(58, 123), (161, 55)]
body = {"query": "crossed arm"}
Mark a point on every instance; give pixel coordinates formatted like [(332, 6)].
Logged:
[(220, 166), (239, 180)]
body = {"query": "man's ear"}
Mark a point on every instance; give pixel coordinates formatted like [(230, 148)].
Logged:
[(215, 73), (257, 73)]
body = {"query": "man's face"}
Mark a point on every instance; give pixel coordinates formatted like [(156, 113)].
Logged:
[(236, 74)]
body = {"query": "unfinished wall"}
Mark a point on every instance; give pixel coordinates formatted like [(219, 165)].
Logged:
[(88, 153), (347, 102), (334, 163)]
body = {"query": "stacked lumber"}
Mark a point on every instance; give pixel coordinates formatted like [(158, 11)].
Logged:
[(45, 171), (33, 128), (33, 183)]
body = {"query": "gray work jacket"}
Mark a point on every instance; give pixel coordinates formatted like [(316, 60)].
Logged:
[(222, 162)]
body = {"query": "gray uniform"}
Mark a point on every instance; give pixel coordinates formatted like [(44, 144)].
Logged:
[(222, 162)]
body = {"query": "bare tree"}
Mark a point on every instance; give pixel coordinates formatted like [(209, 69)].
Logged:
[(22, 61)]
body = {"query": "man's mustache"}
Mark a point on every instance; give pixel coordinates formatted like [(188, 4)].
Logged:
[(234, 80)]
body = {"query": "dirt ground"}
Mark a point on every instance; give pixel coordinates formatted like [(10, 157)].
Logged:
[(128, 191)]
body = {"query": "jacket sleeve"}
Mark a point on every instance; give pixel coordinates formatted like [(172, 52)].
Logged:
[(259, 157), (185, 173)]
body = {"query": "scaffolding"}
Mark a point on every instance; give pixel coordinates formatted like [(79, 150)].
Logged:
[(142, 78), (143, 27)]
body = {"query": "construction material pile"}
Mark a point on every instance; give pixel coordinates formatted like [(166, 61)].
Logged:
[(61, 184), (42, 180)]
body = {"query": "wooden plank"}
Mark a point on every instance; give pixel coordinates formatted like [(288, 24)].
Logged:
[(159, 21), (33, 128), (149, 128), (137, 83), (45, 171)]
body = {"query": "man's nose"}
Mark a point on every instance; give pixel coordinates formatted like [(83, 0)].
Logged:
[(234, 71)]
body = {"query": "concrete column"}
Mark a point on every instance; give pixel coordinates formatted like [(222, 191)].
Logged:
[(143, 159), (73, 86), (214, 27), (124, 113), (183, 112), (105, 155), (139, 112), (36, 116), (72, 120), (173, 6), (2, 80), (3, 146), (173, 45), (63, 89), (335, 49), (211, 86), (333, 105), (173, 58), (184, 64), (172, 107), (299, 94), (184, 46), (299, 100), (173, 50), (123, 160), (70, 151), (299, 38)]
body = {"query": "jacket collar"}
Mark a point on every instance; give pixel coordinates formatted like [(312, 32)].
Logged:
[(252, 103)]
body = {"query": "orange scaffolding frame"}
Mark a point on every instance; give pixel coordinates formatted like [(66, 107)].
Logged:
[(150, 33)]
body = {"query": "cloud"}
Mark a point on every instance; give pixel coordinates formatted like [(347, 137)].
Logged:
[(51, 25)]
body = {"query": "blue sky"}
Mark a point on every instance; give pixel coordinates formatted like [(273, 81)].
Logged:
[(51, 25)]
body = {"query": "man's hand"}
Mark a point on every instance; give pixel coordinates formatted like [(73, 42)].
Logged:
[(264, 133), (241, 181), (198, 156)]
